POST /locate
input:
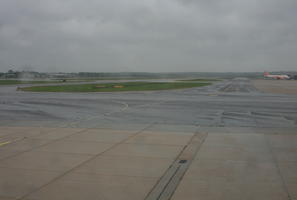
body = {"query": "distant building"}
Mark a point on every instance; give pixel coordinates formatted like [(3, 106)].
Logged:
[(22, 75), (10, 74)]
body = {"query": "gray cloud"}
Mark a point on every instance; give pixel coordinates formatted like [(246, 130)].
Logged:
[(148, 35)]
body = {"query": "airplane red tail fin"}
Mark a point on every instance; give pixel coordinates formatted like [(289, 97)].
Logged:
[(266, 73)]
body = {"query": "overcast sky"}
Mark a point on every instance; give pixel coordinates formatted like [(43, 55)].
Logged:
[(148, 35)]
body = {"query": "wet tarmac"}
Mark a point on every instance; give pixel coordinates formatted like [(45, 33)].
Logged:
[(221, 142), (231, 103)]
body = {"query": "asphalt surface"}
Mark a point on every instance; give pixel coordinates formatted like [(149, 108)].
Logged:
[(234, 103), (225, 141)]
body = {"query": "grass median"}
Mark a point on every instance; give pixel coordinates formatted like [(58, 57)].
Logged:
[(114, 87)]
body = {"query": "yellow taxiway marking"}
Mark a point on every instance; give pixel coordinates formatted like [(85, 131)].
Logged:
[(4, 143)]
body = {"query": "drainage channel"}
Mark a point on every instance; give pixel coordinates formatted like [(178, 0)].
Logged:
[(166, 186)]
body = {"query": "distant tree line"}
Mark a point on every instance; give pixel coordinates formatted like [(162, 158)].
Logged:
[(169, 75), (177, 75)]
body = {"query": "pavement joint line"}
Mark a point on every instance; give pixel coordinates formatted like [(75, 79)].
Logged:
[(50, 142), (84, 162), (112, 175), (167, 184), (283, 181), (155, 144), (24, 137)]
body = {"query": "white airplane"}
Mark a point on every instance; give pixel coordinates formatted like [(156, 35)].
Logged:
[(276, 76)]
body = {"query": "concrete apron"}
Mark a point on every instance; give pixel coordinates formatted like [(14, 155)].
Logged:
[(69, 163)]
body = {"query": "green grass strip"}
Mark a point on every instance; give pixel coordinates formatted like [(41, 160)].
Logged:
[(114, 87)]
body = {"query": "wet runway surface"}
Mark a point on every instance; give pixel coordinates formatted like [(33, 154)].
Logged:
[(234, 103), (221, 142)]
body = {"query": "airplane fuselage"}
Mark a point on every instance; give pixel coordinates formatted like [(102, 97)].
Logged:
[(278, 77)]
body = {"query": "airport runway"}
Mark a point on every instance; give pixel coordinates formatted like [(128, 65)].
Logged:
[(225, 141), (235, 103)]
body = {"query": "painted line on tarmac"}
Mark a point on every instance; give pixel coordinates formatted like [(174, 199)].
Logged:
[(126, 106), (92, 158), (5, 143)]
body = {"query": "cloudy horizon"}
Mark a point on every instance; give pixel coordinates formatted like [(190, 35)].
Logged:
[(148, 36)]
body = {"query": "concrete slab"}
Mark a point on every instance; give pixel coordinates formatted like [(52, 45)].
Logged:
[(59, 133), (3, 133), (275, 130), (284, 147), (283, 141), (214, 129), (173, 128), (237, 140), (232, 171), (17, 135), (222, 190), (285, 154), (148, 137), (292, 190), (241, 130), (6, 198), (76, 186), (126, 166), (15, 128), (234, 153), (119, 126), (18, 182), (112, 131), (289, 171), (99, 135), (28, 131), (144, 150), (240, 166), (24, 145), (39, 160), (7, 153), (77, 147), (228, 165)]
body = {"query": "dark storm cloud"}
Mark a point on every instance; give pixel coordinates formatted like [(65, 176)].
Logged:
[(148, 35)]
